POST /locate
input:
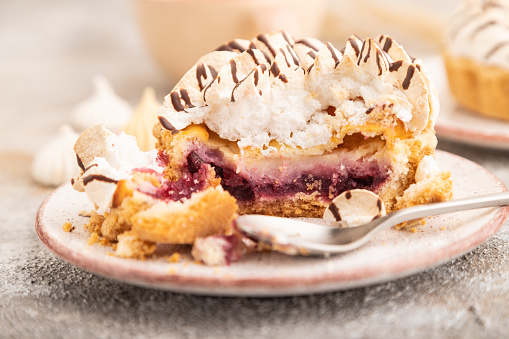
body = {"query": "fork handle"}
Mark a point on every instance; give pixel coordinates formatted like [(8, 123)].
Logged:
[(421, 211)]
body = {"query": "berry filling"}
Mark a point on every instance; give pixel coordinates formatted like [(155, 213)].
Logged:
[(327, 183)]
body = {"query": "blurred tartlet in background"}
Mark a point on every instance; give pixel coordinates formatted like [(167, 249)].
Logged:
[(476, 54), (178, 32)]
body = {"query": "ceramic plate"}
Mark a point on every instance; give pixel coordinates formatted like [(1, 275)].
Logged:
[(460, 124), (390, 255)]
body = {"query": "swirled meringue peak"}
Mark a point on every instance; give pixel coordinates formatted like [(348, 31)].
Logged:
[(303, 93), (479, 30), (104, 107)]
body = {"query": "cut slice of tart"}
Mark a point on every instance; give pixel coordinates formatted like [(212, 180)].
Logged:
[(137, 205), (289, 125)]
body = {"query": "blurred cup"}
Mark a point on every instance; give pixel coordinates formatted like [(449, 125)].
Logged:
[(178, 32)]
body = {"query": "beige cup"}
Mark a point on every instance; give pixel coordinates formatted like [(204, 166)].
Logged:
[(178, 32)]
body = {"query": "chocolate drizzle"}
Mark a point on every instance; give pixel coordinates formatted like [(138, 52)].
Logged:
[(283, 78), (481, 28), (387, 45), (231, 46), (201, 73), (409, 75), (312, 54), (307, 44), (98, 177), (378, 56), (256, 76), (395, 66), (370, 109), (335, 212), (252, 54), (355, 46), (233, 66), (80, 163), (292, 53), (274, 69), (496, 48), (167, 125), (333, 54), (348, 195), (89, 167), (262, 38)]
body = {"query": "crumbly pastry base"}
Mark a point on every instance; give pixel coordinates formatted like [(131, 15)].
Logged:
[(480, 88)]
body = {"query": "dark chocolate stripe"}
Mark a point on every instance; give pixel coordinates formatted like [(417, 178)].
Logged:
[(285, 36), (361, 53), (252, 54), (167, 125), (98, 177), (80, 163), (283, 78), (89, 167), (256, 77), (201, 73), (348, 195), (212, 71), (263, 68), (294, 56), (231, 46), (379, 204), (175, 101), (387, 45), (395, 65), (312, 54), (307, 44), (496, 48), (481, 28), (409, 75), (378, 56), (369, 52), (369, 110), (274, 69), (310, 68), (381, 38), (333, 54), (355, 46), (266, 42), (233, 66), (185, 96), (335, 212), (288, 64)]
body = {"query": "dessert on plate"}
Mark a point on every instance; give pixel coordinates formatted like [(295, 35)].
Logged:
[(271, 126), (476, 54)]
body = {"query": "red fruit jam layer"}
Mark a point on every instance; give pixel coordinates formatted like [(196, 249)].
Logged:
[(326, 177)]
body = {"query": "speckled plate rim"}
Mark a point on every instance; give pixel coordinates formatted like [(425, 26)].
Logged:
[(277, 286)]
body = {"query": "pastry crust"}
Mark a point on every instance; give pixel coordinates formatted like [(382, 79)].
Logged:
[(478, 87)]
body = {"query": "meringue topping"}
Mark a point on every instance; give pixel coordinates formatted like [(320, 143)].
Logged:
[(479, 30), (274, 88), (104, 107)]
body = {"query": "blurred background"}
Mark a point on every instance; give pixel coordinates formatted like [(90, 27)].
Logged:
[(50, 50)]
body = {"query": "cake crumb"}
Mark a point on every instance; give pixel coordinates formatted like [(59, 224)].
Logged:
[(172, 271), (443, 228), (175, 257), (68, 227), (94, 238), (413, 230)]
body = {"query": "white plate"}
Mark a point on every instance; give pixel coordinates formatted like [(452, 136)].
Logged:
[(391, 255), (460, 124)]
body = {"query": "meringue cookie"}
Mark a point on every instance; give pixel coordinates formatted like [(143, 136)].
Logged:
[(355, 208), (143, 120), (55, 163), (427, 168), (105, 159), (104, 107), (277, 89)]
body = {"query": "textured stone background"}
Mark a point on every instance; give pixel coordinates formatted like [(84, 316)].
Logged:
[(50, 52)]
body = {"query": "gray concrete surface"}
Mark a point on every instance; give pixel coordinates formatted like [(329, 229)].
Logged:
[(50, 51)]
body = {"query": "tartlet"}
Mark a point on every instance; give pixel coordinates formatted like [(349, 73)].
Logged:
[(476, 55), (270, 126)]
